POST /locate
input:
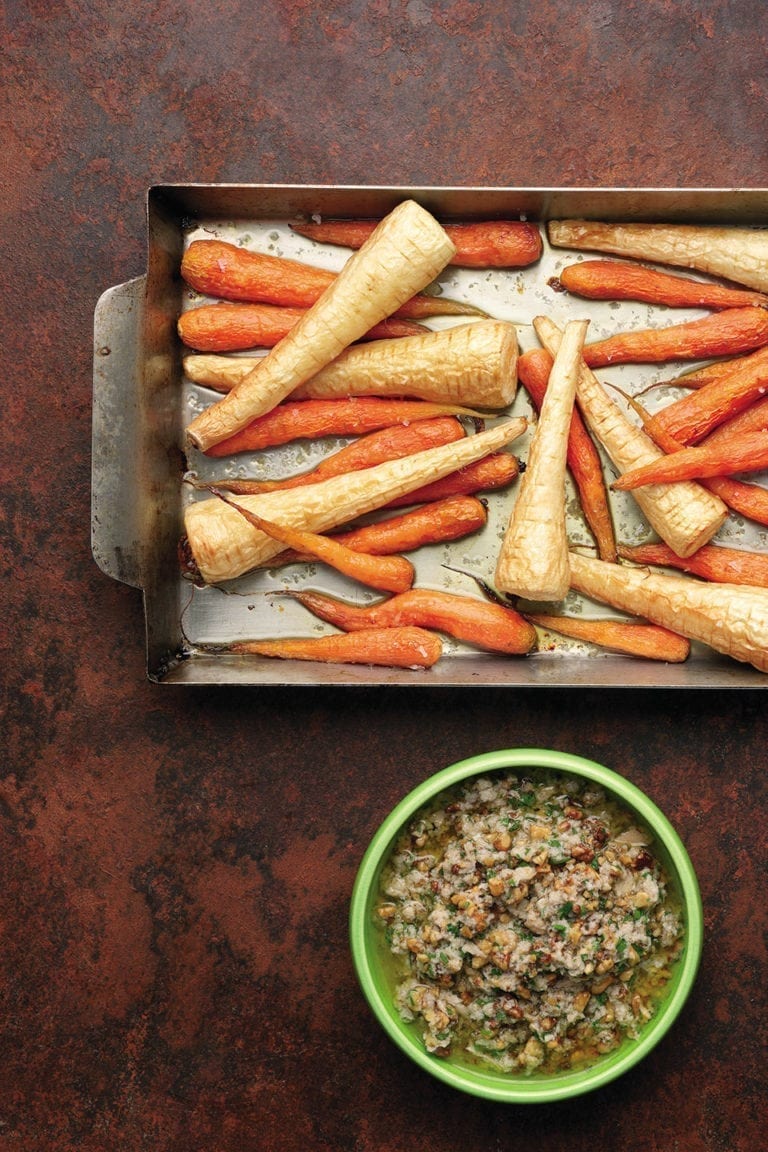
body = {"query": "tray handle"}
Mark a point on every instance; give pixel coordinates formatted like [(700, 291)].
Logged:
[(115, 447)]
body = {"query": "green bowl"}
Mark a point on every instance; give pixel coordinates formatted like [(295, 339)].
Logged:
[(368, 948)]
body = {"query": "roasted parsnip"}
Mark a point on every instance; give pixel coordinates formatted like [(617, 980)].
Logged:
[(533, 560), (684, 515), (471, 364), (406, 252), (731, 618), (738, 254), (224, 546)]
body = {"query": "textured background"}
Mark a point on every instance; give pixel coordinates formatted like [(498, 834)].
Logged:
[(175, 866)]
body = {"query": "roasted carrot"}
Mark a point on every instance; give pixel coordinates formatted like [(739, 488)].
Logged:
[(697, 377), (712, 562), (583, 458), (751, 419), (733, 253), (632, 639), (402, 256), (235, 327), (533, 559), (223, 546), (617, 280), (747, 453), (436, 522), (750, 500), (384, 573), (388, 443), (228, 272), (479, 244), (696, 414), (684, 515), (473, 364), (311, 419), (720, 334), (390, 647), (497, 470), (731, 618), (466, 618)]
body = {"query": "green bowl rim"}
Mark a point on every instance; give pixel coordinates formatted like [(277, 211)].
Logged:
[(492, 1085)]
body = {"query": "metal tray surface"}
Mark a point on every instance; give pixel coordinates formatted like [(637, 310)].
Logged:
[(142, 403)]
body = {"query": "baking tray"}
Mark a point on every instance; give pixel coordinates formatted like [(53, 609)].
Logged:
[(142, 403)]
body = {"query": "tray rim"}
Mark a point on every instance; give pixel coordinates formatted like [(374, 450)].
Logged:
[(177, 664)]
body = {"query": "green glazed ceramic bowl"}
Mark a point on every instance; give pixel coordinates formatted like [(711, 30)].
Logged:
[(368, 946)]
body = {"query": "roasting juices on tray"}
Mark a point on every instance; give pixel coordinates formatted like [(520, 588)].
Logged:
[(292, 352)]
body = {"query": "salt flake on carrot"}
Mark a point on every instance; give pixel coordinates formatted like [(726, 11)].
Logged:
[(469, 364)]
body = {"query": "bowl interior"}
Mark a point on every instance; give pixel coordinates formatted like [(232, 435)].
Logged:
[(375, 969)]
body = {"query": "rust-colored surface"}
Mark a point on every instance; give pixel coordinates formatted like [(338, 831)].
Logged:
[(176, 865)]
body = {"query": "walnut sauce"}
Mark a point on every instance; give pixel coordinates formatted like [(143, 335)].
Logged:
[(530, 924)]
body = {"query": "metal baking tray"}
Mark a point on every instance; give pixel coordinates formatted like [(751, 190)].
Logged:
[(142, 402)]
